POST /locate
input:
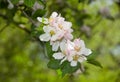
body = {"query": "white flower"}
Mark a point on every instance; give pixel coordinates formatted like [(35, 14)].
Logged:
[(59, 33), (77, 58), (50, 34), (57, 22), (65, 53), (79, 52), (46, 20), (80, 47), (60, 55), (57, 44)]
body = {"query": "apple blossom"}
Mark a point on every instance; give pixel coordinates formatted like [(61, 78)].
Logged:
[(59, 33), (65, 54), (80, 51), (56, 30)]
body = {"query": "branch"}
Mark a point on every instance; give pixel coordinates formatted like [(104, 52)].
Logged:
[(30, 19), (22, 27)]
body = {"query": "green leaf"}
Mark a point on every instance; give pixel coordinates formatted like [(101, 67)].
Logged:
[(49, 50), (59, 72), (54, 64), (42, 3), (14, 1), (38, 13), (29, 3), (67, 69), (92, 56), (94, 62)]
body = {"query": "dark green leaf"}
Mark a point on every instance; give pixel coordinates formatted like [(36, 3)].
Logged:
[(66, 68), (29, 3), (54, 64), (38, 13), (92, 56), (49, 50), (94, 62)]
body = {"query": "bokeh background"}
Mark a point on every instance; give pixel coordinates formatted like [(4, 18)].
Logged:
[(22, 57)]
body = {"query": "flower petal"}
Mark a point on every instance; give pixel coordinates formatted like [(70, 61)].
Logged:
[(67, 25), (69, 58), (87, 52), (47, 29), (82, 44), (39, 19), (70, 45), (79, 43), (68, 36), (58, 55), (62, 45), (81, 59), (73, 63), (55, 46), (54, 14), (45, 37), (63, 60), (54, 37), (43, 20)]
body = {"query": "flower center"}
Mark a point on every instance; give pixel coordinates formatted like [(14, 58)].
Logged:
[(64, 52), (52, 32), (60, 26), (50, 19), (76, 57), (77, 48)]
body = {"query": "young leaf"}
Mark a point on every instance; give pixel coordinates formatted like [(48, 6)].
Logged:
[(54, 64), (29, 3), (94, 62)]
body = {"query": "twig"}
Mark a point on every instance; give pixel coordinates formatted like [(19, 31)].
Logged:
[(21, 27), (30, 19)]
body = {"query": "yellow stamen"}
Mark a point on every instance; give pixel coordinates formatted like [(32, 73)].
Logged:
[(60, 26), (64, 52), (50, 19), (76, 57), (52, 32), (77, 48)]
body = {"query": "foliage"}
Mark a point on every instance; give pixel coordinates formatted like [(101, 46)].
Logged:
[(23, 56)]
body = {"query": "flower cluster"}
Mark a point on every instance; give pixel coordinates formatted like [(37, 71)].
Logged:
[(59, 33)]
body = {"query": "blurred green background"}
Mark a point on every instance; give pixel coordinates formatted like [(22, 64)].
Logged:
[(22, 57)]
